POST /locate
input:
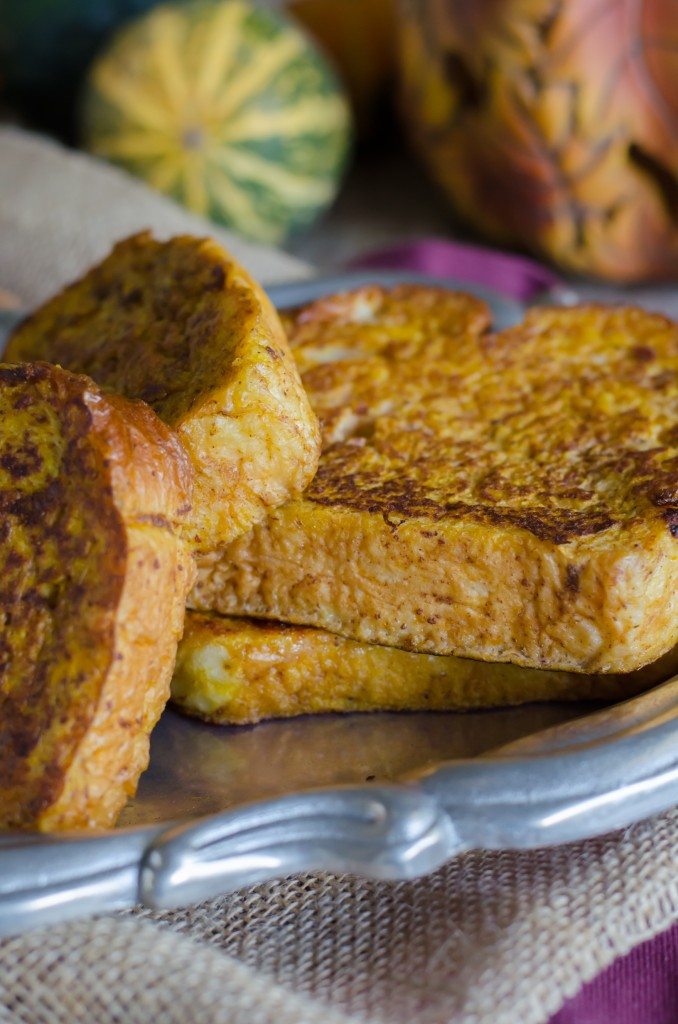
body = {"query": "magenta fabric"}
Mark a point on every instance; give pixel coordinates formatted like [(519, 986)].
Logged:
[(515, 276), (641, 987)]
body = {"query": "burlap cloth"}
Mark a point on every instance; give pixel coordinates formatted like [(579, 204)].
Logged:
[(497, 938)]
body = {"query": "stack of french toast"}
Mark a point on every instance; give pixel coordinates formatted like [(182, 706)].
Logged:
[(373, 502)]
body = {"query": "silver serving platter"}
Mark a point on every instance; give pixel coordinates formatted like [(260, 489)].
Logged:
[(389, 796)]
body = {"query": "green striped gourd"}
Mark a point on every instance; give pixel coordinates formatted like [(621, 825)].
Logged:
[(225, 106)]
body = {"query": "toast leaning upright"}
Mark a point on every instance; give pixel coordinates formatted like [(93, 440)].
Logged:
[(509, 497), (182, 326), (93, 489)]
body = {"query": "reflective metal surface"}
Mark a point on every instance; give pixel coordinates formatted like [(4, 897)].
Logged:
[(505, 312), (383, 795), (199, 769), (8, 318), (219, 809)]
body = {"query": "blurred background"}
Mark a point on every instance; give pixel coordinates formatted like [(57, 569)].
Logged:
[(329, 127)]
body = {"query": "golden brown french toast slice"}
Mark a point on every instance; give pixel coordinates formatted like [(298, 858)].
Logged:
[(236, 670), (182, 326), (506, 497), (94, 581)]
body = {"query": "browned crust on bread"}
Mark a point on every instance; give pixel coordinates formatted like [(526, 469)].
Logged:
[(544, 413), (94, 580), (508, 497), (180, 325)]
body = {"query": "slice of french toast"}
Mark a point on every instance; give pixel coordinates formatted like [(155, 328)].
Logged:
[(93, 489), (235, 671), (182, 326), (506, 497)]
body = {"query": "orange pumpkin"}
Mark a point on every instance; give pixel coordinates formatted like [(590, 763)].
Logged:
[(359, 35), (553, 124)]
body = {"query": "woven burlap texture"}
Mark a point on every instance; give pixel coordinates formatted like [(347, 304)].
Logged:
[(497, 938), (61, 211), (491, 938)]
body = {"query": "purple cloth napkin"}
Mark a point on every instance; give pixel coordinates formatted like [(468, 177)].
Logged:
[(641, 987), (515, 276)]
